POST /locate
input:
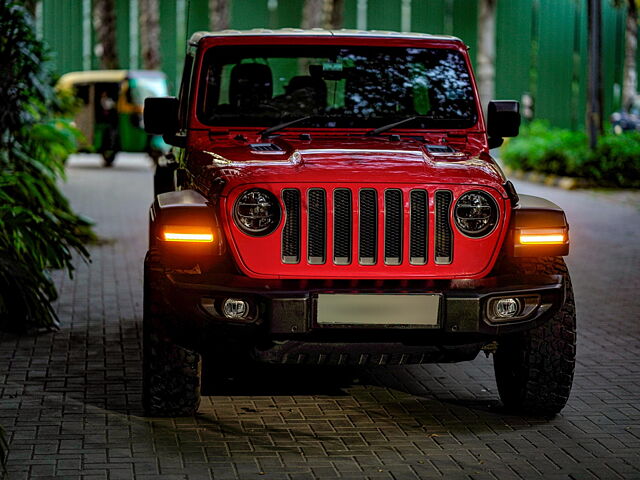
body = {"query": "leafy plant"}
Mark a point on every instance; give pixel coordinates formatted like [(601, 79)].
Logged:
[(617, 159), (38, 229), (541, 148)]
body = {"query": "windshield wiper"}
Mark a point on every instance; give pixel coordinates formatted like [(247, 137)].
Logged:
[(390, 126), (280, 126)]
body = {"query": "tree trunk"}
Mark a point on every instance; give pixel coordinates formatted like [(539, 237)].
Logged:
[(336, 20), (31, 5), (594, 87), (104, 23), (150, 34), (314, 14), (486, 50), (630, 81), (218, 15)]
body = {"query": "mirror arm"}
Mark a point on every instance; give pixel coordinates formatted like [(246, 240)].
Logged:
[(179, 141), (495, 142)]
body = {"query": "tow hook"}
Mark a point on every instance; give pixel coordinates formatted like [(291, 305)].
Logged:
[(490, 348)]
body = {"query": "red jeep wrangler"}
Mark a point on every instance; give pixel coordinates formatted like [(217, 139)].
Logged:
[(331, 200)]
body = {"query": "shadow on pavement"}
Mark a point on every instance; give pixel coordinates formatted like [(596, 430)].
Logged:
[(273, 420), (103, 369), (259, 379)]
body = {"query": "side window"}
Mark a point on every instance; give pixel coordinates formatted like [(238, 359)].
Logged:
[(82, 92), (224, 83), (284, 69), (335, 96), (185, 91), (419, 84), (126, 88)]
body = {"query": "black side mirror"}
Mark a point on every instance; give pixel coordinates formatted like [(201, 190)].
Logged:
[(503, 121), (161, 115)]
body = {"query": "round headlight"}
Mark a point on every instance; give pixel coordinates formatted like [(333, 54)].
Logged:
[(476, 214), (257, 212)]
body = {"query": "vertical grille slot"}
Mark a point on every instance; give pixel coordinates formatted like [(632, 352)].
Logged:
[(418, 237), (393, 227), (444, 235), (291, 229), (316, 247), (342, 226), (368, 226)]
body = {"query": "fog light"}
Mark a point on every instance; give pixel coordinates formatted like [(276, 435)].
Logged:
[(235, 308), (506, 307)]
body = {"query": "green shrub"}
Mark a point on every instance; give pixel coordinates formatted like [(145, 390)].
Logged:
[(616, 159), (38, 229), (544, 149), (541, 148)]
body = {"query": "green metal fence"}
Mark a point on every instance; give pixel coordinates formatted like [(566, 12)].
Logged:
[(540, 48)]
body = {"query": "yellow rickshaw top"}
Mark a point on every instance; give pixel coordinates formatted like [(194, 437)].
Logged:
[(69, 79), (98, 76)]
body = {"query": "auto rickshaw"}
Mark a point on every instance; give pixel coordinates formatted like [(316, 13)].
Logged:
[(110, 113)]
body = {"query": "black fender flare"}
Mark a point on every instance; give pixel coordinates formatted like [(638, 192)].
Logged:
[(184, 208), (537, 213)]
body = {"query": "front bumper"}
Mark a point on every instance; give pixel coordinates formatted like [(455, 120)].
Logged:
[(283, 326)]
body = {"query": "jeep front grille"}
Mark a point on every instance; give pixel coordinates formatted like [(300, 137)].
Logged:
[(444, 235), (342, 226), (393, 227), (399, 219), (419, 227), (368, 210), (291, 230), (317, 226)]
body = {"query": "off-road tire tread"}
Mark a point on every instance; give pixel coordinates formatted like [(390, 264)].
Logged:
[(163, 180), (171, 373), (108, 158), (534, 370)]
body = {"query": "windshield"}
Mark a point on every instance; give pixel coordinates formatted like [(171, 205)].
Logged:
[(337, 86), (144, 87)]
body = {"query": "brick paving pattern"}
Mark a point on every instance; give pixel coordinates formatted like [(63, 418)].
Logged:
[(70, 400)]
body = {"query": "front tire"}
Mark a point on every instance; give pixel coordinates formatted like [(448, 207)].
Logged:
[(108, 157), (170, 373), (534, 369), (163, 179)]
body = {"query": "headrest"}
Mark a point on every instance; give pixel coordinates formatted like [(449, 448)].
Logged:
[(250, 83), (316, 85)]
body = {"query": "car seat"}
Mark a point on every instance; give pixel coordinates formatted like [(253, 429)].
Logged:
[(313, 88), (250, 86)]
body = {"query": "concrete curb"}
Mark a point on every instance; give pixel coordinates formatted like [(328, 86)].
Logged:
[(566, 183)]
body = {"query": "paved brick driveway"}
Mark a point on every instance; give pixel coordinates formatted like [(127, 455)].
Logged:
[(71, 400)]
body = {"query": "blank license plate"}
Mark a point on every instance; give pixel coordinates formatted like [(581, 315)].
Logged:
[(379, 310)]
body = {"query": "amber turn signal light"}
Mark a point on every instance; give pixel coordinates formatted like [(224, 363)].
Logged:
[(542, 236), (187, 233)]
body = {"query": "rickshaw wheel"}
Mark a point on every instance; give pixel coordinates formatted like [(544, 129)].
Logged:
[(155, 157), (108, 157)]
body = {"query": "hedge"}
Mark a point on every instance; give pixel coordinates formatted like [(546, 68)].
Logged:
[(541, 148)]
